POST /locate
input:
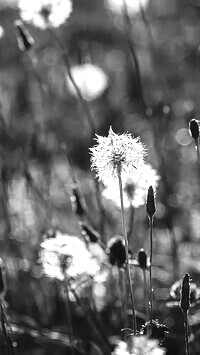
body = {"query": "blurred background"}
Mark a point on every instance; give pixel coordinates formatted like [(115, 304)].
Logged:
[(42, 123)]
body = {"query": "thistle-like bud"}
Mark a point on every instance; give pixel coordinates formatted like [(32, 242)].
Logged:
[(89, 233), (24, 39), (116, 251), (185, 293), (150, 204), (3, 285), (77, 203), (142, 259), (194, 128)]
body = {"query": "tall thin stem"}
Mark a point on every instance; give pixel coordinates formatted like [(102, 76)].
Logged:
[(186, 332), (128, 273), (131, 220), (89, 117), (145, 292), (132, 52), (69, 319), (67, 64), (150, 269), (198, 151)]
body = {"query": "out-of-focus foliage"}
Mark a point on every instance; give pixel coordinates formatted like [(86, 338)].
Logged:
[(42, 123)]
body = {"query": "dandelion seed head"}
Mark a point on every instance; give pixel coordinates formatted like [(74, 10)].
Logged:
[(67, 254), (116, 154), (132, 5), (45, 13), (90, 79), (139, 345), (135, 187)]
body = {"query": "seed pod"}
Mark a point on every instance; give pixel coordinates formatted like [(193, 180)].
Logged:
[(116, 251), (3, 285), (142, 259), (185, 293), (77, 203), (89, 232), (194, 128), (150, 204), (24, 39)]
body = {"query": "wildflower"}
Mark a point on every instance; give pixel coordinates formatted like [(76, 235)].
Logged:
[(194, 128), (150, 205), (24, 39), (116, 251), (90, 79), (185, 293), (135, 187), (133, 6), (142, 259), (139, 345), (45, 13), (175, 292), (69, 251), (117, 154)]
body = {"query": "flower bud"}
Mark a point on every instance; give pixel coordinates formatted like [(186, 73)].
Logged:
[(89, 233), (194, 128), (185, 293), (142, 259), (150, 204), (116, 251), (24, 39)]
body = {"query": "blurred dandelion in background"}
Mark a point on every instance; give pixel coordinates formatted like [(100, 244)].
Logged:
[(117, 152), (79, 261), (90, 79), (135, 187), (45, 13), (139, 345), (132, 5), (1, 32)]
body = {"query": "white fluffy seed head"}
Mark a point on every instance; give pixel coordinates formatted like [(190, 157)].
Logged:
[(45, 13), (116, 154)]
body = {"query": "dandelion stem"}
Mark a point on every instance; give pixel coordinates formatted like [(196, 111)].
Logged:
[(69, 320), (186, 332), (131, 220), (150, 269), (198, 151), (128, 273), (132, 52)]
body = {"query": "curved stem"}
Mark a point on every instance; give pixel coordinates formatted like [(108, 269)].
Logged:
[(128, 273)]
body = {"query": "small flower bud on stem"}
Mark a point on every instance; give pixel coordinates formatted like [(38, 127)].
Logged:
[(24, 39), (194, 132)]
